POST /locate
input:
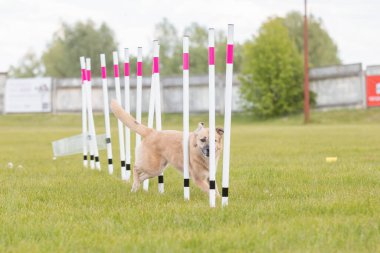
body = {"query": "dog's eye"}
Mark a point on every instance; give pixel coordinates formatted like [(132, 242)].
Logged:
[(203, 139)]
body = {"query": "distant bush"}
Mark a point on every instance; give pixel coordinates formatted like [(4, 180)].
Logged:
[(272, 72)]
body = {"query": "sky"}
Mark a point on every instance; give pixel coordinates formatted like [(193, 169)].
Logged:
[(29, 24)]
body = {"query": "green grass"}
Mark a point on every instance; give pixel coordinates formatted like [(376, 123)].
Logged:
[(284, 197)]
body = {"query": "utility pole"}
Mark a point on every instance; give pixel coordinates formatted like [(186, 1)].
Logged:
[(306, 106)]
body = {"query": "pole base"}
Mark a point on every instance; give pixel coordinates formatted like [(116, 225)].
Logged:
[(224, 201), (186, 193), (146, 185)]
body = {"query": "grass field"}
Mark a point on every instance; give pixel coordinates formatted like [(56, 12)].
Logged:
[(284, 197)]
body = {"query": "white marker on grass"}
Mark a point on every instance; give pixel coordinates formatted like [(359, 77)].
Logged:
[(156, 77), (185, 67), (84, 118), (227, 114), (106, 112), (120, 124), (211, 99), (127, 107)]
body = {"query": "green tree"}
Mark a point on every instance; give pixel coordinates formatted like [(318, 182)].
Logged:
[(322, 49), (272, 72), (29, 66), (61, 58)]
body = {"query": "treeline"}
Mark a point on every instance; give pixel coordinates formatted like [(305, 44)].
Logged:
[(269, 65)]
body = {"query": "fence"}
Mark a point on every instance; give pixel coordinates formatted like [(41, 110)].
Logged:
[(338, 86), (67, 96), (335, 86)]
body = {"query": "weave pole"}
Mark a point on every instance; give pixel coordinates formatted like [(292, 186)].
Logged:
[(106, 112), (211, 99), (127, 107), (227, 114), (89, 143), (90, 115), (120, 124), (151, 108), (138, 95), (156, 77), (84, 117), (152, 96), (185, 67)]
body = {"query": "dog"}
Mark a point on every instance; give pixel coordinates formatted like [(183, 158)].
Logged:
[(158, 149)]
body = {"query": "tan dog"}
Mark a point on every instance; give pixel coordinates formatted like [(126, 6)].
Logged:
[(158, 149)]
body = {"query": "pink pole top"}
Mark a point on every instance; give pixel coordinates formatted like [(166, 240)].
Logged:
[(126, 68), (116, 70), (156, 65), (83, 75), (88, 76), (139, 68), (211, 56), (104, 73), (185, 61), (230, 54)]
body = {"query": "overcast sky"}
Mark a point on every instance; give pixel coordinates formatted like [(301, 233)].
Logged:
[(29, 24)]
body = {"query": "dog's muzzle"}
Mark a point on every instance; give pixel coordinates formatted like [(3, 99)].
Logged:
[(206, 151)]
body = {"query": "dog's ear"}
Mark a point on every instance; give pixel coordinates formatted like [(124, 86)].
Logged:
[(200, 126), (220, 131)]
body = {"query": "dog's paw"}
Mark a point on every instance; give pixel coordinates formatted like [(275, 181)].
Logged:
[(134, 188)]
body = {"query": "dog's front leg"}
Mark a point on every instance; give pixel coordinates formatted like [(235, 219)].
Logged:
[(202, 183), (136, 180), (217, 191)]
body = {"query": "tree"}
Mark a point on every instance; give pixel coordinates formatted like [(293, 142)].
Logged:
[(272, 74), (61, 58), (29, 66), (322, 49)]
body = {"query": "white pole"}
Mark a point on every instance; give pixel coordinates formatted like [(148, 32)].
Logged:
[(128, 110), (106, 112), (211, 99), (185, 67), (138, 95), (227, 114), (151, 108), (120, 125), (156, 76), (84, 118), (88, 137), (90, 115)]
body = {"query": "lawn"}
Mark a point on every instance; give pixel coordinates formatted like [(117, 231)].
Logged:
[(284, 197)]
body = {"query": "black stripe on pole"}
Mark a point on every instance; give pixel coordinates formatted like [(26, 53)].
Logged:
[(186, 182), (224, 192), (108, 140), (92, 157), (96, 158), (122, 163), (128, 167), (160, 179), (212, 184), (109, 161), (84, 158)]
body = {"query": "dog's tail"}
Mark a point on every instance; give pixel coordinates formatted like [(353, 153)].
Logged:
[(128, 120)]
